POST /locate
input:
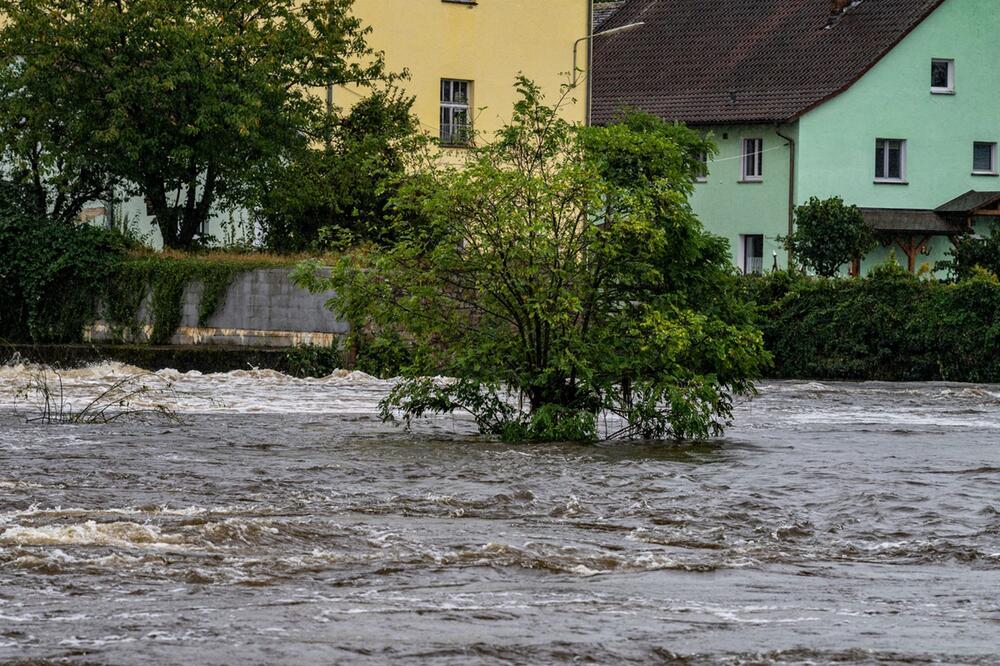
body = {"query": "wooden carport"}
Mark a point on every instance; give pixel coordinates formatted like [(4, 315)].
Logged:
[(912, 229)]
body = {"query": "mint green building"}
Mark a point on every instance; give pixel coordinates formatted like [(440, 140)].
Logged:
[(893, 105)]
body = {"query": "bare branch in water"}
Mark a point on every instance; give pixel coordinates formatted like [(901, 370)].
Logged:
[(140, 396)]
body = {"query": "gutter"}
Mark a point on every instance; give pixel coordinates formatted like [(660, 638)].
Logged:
[(590, 64), (791, 190)]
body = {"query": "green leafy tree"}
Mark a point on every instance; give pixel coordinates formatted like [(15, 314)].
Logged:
[(560, 275), (185, 101), (47, 149), (52, 274), (336, 195), (971, 254), (828, 234)]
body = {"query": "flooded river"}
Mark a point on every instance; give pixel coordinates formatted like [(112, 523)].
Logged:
[(282, 523)]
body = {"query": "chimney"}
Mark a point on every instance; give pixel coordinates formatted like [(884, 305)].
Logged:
[(838, 6)]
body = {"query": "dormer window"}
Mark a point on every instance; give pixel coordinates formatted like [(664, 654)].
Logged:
[(942, 77)]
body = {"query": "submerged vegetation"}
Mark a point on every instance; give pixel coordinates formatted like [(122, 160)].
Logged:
[(139, 396)]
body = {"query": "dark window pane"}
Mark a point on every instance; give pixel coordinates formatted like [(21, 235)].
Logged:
[(752, 158), (879, 158), (982, 157), (702, 167), (446, 91), (895, 160), (939, 74)]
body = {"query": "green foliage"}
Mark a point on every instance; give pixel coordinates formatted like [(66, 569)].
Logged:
[(52, 275), (828, 234), (335, 196), (559, 274), (888, 326), (972, 253), (384, 355), (187, 103), (313, 361)]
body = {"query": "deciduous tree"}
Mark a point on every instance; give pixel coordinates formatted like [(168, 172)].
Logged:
[(186, 102), (560, 275)]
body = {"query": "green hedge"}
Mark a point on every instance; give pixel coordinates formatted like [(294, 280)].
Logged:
[(888, 326), (55, 276), (52, 275)]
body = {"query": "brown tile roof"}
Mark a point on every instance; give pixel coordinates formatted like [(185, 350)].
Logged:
[(728, 61), (603, 11)]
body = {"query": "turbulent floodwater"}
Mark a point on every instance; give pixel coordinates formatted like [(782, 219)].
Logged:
[(282, 523)]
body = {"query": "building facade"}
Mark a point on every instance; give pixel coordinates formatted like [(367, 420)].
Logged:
[(890, 104), (463, 57)]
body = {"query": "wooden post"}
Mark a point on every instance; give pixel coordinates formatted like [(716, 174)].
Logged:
[(911, 248)]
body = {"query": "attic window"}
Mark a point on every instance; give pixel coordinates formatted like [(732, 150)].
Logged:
[(942, 77)]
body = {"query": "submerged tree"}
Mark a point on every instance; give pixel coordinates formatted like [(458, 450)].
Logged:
[(560, 275), (828, 234), (187, 102)]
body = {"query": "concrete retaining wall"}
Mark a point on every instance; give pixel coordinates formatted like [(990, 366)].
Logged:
[(262, 308)]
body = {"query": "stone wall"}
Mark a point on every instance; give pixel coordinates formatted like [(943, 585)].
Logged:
[(262, 308)]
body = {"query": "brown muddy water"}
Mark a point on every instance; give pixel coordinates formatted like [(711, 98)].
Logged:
[(281, 523)]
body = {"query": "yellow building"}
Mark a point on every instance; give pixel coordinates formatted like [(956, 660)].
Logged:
[(464, 55)]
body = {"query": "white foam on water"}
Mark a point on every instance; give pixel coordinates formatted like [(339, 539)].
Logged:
[(91, 533), (238, 391)]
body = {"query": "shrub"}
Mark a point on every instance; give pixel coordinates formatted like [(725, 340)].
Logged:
[(828, 234), (52, 274), (313, 361), (888, 326), (972, 253)]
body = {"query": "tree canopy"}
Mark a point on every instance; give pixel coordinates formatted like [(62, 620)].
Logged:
[(560, 275), (185, 102), (335, 195)]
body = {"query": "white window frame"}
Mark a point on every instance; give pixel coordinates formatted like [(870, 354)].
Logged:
[(757, 158), (451, 106), (885, 162), (950, 89), (741, 254), (993, 158), (702, 177)]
